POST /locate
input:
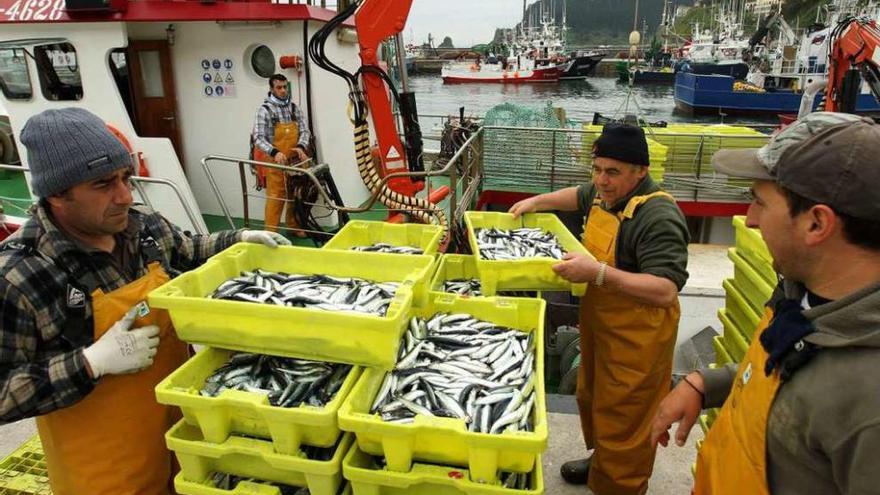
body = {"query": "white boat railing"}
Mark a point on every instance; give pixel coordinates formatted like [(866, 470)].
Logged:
[(138, 183), (462, 173)]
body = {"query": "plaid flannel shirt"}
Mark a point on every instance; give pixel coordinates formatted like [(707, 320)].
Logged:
[(40, 371), (270, 113)]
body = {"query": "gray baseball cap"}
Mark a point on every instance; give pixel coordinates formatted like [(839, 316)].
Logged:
[(831, 158)]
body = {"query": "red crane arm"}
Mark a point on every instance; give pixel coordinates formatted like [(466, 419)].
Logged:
[(857, 45), (375, 21)]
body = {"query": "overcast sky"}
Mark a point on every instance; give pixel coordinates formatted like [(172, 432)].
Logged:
[(467, 22)]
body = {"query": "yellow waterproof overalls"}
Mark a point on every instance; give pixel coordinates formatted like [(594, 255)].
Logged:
[(276, 181), (112, 442), (733, 458), (626, 366)]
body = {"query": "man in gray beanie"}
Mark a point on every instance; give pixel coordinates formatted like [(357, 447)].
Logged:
[(81, 350), (629, 317)]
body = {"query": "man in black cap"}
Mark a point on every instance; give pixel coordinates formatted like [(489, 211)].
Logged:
[(629, 316), (801, 411)]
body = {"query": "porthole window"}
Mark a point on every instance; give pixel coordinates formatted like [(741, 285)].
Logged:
[(263, 61)]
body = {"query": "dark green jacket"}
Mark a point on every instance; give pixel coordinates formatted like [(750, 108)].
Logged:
[(654, 241)]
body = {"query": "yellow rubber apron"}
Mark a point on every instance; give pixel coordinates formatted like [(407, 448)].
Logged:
[(626, 366), (113, 441), (733, 458), (276, 181)]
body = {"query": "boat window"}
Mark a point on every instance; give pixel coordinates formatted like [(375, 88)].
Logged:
[(58, 67), (263, 61), (15, 82)]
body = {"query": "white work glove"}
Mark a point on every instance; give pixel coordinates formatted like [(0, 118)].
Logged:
[(123, 349), (264, 237)]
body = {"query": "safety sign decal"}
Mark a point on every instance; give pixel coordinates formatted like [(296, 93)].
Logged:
[(218, 78)]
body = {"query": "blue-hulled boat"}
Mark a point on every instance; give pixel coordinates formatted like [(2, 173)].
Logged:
[(697, 94)]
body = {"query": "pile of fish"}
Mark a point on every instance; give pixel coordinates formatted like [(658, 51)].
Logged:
[(463, 287), (457, 366), (309, 291), (287, 382), (473, 287), (383, 247), (498, 244), (228, 482)]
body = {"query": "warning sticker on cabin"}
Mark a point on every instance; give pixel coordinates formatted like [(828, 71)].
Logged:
[(219, 81)]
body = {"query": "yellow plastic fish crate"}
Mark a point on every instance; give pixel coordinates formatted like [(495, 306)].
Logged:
[(365, 233), (722, 355), (524, 274), (452, 267), (245, 413), (733, 339), (751, 285), (253, 458), (335, 336), (447, 441), (740, 312), (704, 425), (459, 266), (185, 487), (424, 479), (24, 471), (751, 246)]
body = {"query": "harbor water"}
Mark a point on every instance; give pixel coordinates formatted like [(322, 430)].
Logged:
[(579, 98)]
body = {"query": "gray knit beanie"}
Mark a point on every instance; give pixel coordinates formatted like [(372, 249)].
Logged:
[(70, 146)]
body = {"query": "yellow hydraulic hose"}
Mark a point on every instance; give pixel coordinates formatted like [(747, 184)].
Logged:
[(422, 209)]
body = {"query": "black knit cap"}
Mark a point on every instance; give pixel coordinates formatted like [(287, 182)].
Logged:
[(622, 142)]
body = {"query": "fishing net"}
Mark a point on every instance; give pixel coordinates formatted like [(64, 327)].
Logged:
[(528, 150)]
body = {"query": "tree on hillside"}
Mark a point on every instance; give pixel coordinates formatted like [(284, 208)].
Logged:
[(447, 43)]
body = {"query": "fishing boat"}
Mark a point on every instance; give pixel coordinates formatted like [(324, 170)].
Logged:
[(778, 77), (180, 81), (495, 74)]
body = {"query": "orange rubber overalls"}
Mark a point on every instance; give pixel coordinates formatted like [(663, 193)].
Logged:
[(733, 458), (626, 366), (276, 181), (112, 442)]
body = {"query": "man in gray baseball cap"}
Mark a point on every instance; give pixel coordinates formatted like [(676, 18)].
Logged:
[(81, 349), (801, 412)]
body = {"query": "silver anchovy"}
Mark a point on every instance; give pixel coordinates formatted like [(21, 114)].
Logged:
[(382, 247), (454, 365), (309, 291), (498, 244), (287, 382)]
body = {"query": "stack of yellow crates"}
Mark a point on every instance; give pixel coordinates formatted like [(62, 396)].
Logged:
[(745, 297), (238, 432), (24, 472), (440, 456)]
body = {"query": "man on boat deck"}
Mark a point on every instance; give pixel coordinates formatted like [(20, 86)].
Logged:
[(81, 350), (629, 316), (280, 135), (801, 412)]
